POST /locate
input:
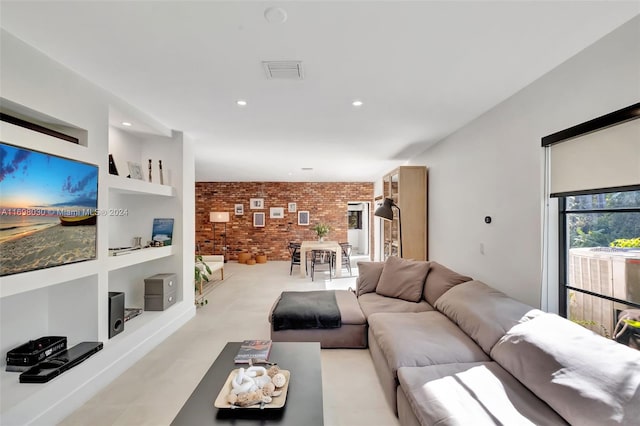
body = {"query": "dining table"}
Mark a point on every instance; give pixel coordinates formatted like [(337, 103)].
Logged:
[(333, 246)]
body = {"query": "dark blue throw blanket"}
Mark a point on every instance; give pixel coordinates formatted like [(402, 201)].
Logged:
[(306, 309)]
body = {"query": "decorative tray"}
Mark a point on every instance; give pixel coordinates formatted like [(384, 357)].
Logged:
[(277, 401)]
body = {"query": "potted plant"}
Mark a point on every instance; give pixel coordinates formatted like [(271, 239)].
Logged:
[(321, 229), (201, 273)]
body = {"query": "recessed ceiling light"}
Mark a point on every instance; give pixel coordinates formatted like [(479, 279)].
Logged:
[(275, 15), (356, 103), (307, 169), (126, 123), (241, 102)]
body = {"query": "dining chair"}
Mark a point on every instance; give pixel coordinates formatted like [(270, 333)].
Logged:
[(346, 257), (294, 251), (321, 257)]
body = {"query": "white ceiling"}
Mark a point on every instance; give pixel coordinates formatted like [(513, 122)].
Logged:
[(423, 69)]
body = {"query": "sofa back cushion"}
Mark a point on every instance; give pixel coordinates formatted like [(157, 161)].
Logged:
[(587, 379), (482, 312), (368, 277), (439, 280), (403, 278)]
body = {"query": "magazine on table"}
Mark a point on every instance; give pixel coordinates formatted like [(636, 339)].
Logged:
[(258, 349)]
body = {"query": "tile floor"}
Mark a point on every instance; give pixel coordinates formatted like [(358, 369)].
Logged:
[(154, 389)]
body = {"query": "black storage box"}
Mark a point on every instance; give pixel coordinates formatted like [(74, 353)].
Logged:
[(35, 351)]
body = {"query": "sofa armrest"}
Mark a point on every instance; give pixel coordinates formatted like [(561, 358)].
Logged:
[(213, 258)]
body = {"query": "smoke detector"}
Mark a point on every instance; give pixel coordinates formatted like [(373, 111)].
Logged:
[(289, 70), (275, 15)]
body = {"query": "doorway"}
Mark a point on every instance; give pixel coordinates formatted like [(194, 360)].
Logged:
[(359, 226)]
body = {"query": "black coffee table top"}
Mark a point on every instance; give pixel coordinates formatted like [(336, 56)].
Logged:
[(304, 397)]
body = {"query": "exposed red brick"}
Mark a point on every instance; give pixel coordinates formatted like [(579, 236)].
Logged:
[(327, 202)]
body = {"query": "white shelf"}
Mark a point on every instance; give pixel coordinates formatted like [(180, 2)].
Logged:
[(123, 185), (33, 280), (139, 256), (141, 334)]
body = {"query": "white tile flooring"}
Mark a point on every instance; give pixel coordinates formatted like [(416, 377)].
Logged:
[(154, 389)]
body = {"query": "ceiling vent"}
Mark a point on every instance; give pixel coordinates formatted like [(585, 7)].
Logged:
[(289, 70)]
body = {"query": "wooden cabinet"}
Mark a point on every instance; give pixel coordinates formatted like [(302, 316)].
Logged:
[(407, 187)]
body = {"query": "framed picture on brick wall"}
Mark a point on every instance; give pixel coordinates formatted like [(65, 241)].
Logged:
[(276, 212), (258, 220), (239, 209), (256, 203), (293, 207), (303, 218)]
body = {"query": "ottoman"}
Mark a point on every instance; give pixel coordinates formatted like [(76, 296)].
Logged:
[(351, 335)]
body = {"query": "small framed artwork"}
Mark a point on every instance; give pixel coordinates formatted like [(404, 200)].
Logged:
[(293, 207), (258, 220), (303, 218), (239, 209), (276, 212), (256, 203), (135, 170)]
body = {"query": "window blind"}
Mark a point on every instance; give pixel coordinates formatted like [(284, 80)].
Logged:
[(607, 158)]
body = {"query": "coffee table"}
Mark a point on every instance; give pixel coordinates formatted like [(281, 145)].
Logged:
[(304, 398)]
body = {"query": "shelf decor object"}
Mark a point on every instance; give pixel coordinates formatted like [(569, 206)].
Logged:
[(135, 170), (220, 217), (162, 232)]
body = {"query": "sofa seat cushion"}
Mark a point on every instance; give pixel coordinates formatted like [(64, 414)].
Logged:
[(586, 378), (482, 312), (372, 303), (479, 393), (420, 339)]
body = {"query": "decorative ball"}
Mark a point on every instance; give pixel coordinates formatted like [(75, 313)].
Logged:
[(273, 370), (279, 380)]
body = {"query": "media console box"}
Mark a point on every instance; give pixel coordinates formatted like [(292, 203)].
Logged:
[(160, 292)]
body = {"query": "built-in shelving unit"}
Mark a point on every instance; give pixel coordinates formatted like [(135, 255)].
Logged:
[(72, 300)]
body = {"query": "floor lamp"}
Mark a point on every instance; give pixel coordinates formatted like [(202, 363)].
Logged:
[(385, 211), (220, 217)]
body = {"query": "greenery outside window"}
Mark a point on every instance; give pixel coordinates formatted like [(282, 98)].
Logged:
[(600, 257)]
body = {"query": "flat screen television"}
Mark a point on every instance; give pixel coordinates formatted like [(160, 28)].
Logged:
[(48, 210)]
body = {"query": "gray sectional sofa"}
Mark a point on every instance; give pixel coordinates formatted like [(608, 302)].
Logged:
[(450, 350)]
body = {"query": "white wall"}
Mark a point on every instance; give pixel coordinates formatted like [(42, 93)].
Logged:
[(494, 166)]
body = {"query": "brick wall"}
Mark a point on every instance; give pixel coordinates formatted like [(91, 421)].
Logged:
[(325, 201)]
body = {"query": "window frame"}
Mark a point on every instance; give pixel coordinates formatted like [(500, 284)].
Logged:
[(563, 249)]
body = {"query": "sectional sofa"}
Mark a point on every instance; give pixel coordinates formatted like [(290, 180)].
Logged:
[(450, 350)]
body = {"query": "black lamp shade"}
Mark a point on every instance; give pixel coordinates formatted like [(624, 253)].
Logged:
[(385, 211)]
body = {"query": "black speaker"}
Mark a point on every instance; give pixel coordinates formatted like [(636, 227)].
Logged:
[(116, 313)]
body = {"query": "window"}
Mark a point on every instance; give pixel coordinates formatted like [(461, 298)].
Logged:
[(600, 259), (592, 170), (355, 219)]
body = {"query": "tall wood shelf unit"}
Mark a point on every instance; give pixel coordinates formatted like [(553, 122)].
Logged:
[(407, 187)]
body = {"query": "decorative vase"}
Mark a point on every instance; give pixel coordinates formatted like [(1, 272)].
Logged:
[(320, 239)]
